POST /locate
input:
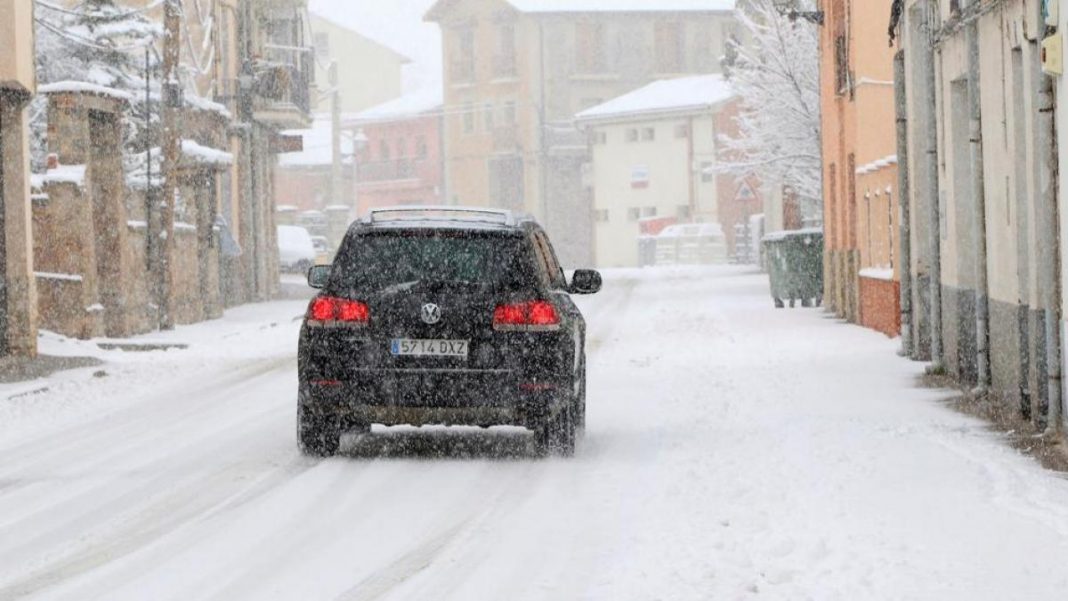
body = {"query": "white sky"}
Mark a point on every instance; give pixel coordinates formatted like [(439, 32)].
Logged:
[(397, 24)]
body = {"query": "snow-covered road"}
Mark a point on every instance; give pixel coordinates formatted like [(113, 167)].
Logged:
[(734, 452)]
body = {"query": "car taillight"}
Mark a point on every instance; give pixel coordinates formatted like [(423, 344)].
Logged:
[(526, 317), (339, 310)]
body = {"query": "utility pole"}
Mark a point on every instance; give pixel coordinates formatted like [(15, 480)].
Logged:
[(335, 135), (172, 102)]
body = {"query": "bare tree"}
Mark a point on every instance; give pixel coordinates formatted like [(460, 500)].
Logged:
[(775, 70)]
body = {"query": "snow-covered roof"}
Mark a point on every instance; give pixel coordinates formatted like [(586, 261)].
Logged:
[(572, 6), (63, 87), (594, 6), (410, 105), (204, 155), (64, 174), (685, 94), (203, 104), (318, 145), (353, 27)]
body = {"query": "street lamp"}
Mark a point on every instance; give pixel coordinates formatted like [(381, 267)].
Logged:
[(359, 143), (788, 8)]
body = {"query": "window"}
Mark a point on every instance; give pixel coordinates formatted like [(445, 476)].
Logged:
[(707, 174), (383, 151), (590, 47), (402, 148), (487, 113), (464, 62), (504, 64), (600, 216), (322, 44), (648, 134), (510, 116), (684, 212), (639, 177), (670, 39), (648, 212), (421, 147), (599, 138), (682, 131), (632, 135), (634, 214), (586, 103), (469, 118), (841, 65)]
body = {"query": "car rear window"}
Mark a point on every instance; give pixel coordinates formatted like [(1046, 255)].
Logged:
[(375, 262)]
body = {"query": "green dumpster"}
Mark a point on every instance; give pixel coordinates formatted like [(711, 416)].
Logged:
[(795, 267)]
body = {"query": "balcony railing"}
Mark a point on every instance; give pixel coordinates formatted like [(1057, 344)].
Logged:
[(383, 171), (504, 66), (283, 84)]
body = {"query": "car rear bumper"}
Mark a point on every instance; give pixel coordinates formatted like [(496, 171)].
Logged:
[(428, 397)]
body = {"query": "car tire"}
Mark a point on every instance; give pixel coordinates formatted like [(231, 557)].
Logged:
[(317, 436), (580, 400), (564, 432), (543, 436)]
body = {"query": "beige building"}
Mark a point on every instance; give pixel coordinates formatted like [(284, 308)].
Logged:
[(516, 73), (651, 149), (369, 73), (18, 320), (980, 226)]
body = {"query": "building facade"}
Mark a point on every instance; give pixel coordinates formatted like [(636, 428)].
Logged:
[(368, 73), (18, 314), (400, 156), (517, 71), (982, 167), (654, 155), (861, 222)]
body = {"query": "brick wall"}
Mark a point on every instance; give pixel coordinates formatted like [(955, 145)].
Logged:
[(880, 305)]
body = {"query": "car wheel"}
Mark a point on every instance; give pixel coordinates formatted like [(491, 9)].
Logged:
[(317, 436), (564, 432), (580, 400), (543, 436)]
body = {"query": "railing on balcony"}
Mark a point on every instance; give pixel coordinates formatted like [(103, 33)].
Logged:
[(462, 72), (383, 171), (504, 66), (506, 138), (286, 79)]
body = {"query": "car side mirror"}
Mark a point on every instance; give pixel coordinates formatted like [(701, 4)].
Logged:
[(318, 276), (586, 281)]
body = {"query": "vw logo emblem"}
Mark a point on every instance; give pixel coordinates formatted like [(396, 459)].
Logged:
[(431, 313)]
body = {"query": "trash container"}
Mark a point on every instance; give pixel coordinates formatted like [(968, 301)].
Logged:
[(795, 267)]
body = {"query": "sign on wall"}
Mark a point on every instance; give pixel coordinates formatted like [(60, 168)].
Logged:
[(639, 177)]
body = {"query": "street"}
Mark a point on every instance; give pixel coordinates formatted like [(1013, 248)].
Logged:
[(734, 451)]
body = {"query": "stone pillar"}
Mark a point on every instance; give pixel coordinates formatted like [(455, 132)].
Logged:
[(19, 313)]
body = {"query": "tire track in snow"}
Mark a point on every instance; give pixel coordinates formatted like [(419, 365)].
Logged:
[(171, 410)]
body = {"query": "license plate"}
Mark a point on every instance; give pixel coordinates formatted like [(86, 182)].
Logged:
[(403, 347)]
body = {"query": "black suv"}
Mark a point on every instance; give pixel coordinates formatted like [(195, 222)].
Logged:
[(444, 315)]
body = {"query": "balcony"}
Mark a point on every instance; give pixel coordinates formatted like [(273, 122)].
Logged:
[(506, 139), (462, 72), (504, 67), (282, 76), (283, 95), (387, 171)]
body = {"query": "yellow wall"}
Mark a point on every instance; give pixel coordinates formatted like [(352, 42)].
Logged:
[(368, 73), (16, 44)]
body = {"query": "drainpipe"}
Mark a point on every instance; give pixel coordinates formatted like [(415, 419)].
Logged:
[(931, 188), (982, 288), (1048, 268), (904, 219)]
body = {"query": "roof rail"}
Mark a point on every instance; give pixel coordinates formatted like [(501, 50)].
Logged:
[(440, 213)]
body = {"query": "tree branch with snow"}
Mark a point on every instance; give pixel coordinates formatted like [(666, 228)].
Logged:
[(775, 71)]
